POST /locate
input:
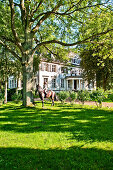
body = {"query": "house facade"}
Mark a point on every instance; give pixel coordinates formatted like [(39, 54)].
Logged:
[(62, 78), (58, 76)]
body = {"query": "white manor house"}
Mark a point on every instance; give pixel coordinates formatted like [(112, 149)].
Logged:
[(58, 76)]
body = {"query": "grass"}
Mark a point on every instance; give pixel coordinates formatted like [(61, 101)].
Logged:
[(63, 137)]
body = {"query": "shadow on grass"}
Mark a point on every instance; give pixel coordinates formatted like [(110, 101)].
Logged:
[(84, 124), (68, 159)]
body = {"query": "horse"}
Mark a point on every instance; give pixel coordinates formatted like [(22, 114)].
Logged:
[(45, 94)]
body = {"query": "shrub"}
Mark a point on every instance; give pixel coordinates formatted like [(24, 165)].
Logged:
[(73, 96), (83, 96), (10, 92), (35, 95), (16, 97), (110, 96), (1, 98), (63, 95), (97, 96)]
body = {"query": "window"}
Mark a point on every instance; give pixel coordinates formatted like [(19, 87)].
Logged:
[(91, 85), (45, 67), (53, 68), (76, 61), (42, 67), (53, 83), (83, 84), (12, 83), (15, 83), (62, 83)]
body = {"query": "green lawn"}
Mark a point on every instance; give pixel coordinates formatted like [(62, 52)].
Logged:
[(63, 137)]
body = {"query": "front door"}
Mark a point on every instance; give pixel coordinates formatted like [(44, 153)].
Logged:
[(75, 84)]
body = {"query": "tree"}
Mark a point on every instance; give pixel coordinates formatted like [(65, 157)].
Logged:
[(8, 66), (97, 54), (38, 24), (96, 67)]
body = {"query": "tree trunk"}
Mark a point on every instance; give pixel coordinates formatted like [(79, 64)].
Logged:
[(104, 84), (5, 96), (27, 60), (17, 86), (28, 78), (105, 81)]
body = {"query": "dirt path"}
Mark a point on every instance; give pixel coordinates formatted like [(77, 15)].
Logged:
[(104, 104)]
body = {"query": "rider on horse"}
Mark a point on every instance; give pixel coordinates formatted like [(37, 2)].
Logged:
[(45, 88), (45, 93)]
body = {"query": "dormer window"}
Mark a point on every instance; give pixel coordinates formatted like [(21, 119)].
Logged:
[(76, 61)]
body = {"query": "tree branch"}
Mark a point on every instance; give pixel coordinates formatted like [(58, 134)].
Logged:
[(41, 14), (77, 9), (11, 51), (70, 44), (32, 13), (8, 39), (23, 11), (46, 15), (17, 40), (50, 51)]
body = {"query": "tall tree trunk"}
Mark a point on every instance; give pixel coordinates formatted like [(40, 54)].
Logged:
[(5, 95), (105, 80), (28, 78), (104, 84), (27, 59)]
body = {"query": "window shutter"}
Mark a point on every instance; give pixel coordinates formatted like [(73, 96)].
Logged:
[(56, 68), (47, 67), (50, 67), (42, 66)]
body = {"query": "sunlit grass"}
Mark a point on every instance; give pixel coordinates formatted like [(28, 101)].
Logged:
[(60, 137)]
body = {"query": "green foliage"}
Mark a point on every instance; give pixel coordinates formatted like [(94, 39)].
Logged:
[(36, 62), (16, 97), (10, 92), (95, 67), (110, 96), (97, 96), (9, 66), (35, 95), (46, 25), (107, 95), (73, 95), (1, 98), (63, 95), (83, 96), (97, 54)]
